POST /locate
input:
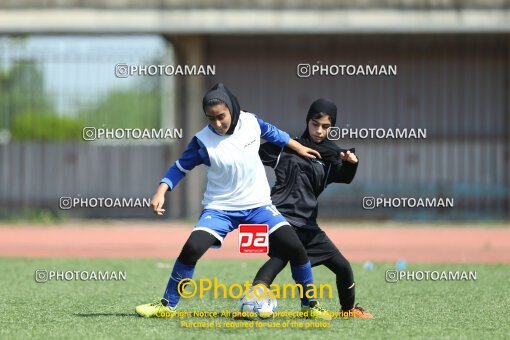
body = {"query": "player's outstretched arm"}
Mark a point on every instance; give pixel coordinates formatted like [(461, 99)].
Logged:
[(345, 171), (158, 199), (194, 155), (281, 138), (349, 156), (303, 150)]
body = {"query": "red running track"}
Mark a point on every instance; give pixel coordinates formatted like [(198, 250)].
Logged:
[(438, 244)]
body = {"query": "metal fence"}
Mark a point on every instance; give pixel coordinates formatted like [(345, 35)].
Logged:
[(36, 175), (455, 86)]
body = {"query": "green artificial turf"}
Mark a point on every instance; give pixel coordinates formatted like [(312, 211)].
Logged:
[(99, 309)]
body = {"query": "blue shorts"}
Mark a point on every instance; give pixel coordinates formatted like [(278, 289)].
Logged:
[(220, 222)]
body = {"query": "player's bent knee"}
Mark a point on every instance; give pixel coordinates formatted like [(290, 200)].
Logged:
[(196, 246), (297, 254), (190, 253), (289, 245), (345, 271)]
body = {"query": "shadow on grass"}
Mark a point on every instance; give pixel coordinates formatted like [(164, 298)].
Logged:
[(85, 315), (186, 315), (88, 315)]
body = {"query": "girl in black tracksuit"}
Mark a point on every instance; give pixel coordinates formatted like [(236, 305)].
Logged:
[(299, 182)]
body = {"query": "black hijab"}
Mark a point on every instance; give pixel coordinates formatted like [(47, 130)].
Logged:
[(329, 151), (221, 92)]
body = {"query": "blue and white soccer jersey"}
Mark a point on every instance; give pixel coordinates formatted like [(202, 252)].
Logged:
[(237, 189), (220, 222), (236, 179)]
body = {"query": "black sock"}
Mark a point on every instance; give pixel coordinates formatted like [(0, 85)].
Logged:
[(344, 280), (347, 296)]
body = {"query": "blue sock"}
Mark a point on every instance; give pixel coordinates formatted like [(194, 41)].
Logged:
[(302, 274), (179, 272)]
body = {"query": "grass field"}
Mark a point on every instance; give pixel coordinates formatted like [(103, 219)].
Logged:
[(93, 309)]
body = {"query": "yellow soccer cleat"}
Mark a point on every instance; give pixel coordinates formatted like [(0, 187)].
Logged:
[(314, 311), (158, 309)]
